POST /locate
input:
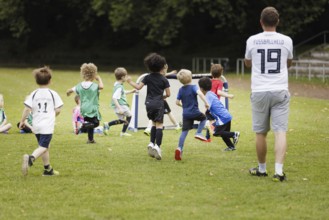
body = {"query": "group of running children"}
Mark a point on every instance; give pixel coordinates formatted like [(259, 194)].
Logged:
[(45, 104)]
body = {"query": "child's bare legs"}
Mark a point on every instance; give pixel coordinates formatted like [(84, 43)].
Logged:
[(156, 139), (173, 120), (5, 128)]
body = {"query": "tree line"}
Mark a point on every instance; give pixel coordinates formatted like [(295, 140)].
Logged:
[(30, 25)]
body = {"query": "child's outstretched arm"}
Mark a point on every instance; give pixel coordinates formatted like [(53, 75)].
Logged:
[(138, 86), (225, 94), (57, 110), (130, 91), (69, 92), (203, 98)]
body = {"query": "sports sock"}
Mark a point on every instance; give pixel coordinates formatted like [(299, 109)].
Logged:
[(116, 122), (158, 136), (153, 133), (125, 126), (182, 139), (201, 126), (46, 166), (262, 167), (279, 169)]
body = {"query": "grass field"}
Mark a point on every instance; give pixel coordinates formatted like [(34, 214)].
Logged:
[(115, 178)]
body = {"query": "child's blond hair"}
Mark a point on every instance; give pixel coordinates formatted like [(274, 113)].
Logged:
[(216, 70), (184, 76), (120, 72), (88, 71)]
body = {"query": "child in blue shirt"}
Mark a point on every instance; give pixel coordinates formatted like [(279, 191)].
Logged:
[(221, 115), (187, 98)]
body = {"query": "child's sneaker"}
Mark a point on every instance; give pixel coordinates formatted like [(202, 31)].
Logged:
[(157, 152), (178, 128), (147, 132), (106, 128), (50, 172), (91, 142), (255, 172), (200, 137), (27, 162), (236, 138), (150, 149), (125, 134), (230, 149), (208, 140), (279, 178), (178, 154)]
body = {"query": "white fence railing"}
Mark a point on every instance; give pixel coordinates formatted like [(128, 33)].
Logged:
[(310, 69), (202, 64)]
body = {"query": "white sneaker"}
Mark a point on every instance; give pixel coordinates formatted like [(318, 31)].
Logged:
[(150, 149), (157, 152), (147, 132), (200, 137), (125, 134)]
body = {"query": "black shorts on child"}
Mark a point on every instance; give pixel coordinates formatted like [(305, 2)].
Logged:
[(188, 122)]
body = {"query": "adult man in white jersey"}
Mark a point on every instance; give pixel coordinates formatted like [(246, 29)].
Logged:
[(269, 54)]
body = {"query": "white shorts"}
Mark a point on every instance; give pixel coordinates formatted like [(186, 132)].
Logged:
[(126, 112), (270, 106)]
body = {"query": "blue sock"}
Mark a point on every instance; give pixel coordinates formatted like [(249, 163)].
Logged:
[(182, 139), (201, 126)]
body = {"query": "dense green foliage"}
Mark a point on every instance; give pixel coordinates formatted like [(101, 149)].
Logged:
[(69, 32), (115, 179)]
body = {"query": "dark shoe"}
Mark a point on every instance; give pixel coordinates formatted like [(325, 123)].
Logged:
[(279, 178), (255, 172), (236, 138), (230, 149), (91, 142), (50, 172)]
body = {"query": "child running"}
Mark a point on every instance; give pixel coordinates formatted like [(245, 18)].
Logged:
[(216, 71), (45, 104), (4, 126), (89, 98), (187, 98), (221, 115), (119, 103), (156, 84)]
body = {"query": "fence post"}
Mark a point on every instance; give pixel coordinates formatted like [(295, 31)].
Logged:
[(309, 72)]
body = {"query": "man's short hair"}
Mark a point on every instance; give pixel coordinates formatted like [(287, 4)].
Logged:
[(205, 83), (42, 75), (270, 17)]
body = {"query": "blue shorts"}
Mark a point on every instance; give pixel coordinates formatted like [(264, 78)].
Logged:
[(44, 139)]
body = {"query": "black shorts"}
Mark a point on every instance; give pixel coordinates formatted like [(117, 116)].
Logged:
[(44, 139), (167, 109), (219, 129), (155, 111), (188, 123), (209, 116)]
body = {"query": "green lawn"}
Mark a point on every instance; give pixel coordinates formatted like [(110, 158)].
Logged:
[(115, 178)]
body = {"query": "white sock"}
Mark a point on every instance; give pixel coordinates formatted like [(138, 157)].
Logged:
[(262, 167), (279, 169)]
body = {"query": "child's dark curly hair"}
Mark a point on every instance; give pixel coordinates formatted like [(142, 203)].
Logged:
[(154, 62)]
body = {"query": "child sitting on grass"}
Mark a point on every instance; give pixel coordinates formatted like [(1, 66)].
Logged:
[(220, 114), (187, 98), (89, 97), (4, 126)]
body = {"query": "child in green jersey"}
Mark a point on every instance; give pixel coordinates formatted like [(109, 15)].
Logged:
[(119, 103), (89, 98)]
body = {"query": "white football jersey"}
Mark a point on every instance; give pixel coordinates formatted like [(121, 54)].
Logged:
[(269, 52), (43, 102)]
